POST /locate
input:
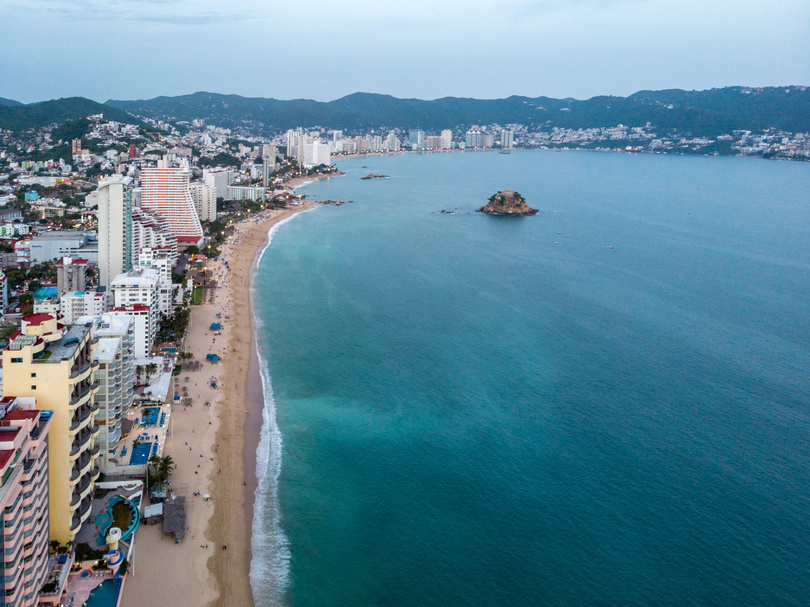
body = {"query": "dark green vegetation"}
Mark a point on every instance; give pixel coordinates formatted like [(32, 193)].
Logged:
[(36, 115), (9, 102), (707, 113)]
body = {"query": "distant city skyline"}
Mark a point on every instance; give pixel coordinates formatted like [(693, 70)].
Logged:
[(134, 49)]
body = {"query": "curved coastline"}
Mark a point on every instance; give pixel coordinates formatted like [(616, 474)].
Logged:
[(242, 415), (272, 543)]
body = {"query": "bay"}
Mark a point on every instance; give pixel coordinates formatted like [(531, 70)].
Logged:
[(606, 403)]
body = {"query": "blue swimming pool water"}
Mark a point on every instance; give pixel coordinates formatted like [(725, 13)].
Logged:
[(150, 416), (140, 454), (105, 595)]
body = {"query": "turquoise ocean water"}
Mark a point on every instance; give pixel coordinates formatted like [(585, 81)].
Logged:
[(473, 410)]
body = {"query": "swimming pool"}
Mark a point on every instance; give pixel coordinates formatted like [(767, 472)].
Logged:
[(149, 416), (104, 595), (140, 454)]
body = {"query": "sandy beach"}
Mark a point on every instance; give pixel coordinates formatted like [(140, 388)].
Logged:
[(213, 446)]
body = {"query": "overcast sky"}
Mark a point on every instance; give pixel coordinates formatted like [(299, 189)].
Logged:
[(324, 49)]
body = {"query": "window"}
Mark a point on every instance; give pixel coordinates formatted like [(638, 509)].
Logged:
[(16, 360), (33, 375), (33, 387)]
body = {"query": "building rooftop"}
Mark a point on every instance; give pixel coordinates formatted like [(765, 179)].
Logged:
[(37, 319), (107, 349), (131, 308), (64, 348)]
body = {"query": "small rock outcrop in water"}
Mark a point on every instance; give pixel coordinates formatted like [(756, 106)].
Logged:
[(507, 202)]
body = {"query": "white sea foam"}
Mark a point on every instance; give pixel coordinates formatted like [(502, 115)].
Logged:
[(270, 563)]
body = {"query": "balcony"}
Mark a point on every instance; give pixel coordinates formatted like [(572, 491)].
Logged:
[(78, 398), (94, 429), (80, 371), (81, 420), (95, 473), (95, 362)]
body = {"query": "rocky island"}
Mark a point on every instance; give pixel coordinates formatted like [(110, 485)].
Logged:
[(507, 202)]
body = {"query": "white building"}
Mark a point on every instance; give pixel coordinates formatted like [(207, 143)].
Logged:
[(316, 153), (48, 305), (114, 228), (239, 192), (205, 201), (392, 142), (507, 139), (151, 231), (447, 139), (219, 179), (143, 321), (116, 377), (161, 259), (76, 304), (146, 286), (14, 229)]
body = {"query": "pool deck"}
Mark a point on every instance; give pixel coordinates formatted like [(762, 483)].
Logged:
[(137, 430), (79, 587)]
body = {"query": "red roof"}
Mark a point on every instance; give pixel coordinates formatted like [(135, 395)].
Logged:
[(17, 414), (189, 238), (75, 262), (37, 319), (5, 456), (131, 308)]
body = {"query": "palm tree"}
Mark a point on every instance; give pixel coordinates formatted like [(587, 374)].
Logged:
[(163, 468), (166, 466), (138, 372), (150, 369)]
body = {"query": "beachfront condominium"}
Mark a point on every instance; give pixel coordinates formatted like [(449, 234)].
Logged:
[(138, 295), (114, 199), (165, 192), (316, 153), (447, 139), (158, 258), (151, 231), (143, 285), (507, 139), (116, 377), (392, 143), (23, 500), (55, 364), (219, 179), (205, 201)]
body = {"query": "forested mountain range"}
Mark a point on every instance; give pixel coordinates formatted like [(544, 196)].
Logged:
[(21, 117), (709, 113), (699, 113)]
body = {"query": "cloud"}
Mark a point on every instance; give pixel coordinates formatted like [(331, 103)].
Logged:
[(177, 12)]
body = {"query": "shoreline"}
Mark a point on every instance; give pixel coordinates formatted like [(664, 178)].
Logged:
[(214, 447), (239, 432)]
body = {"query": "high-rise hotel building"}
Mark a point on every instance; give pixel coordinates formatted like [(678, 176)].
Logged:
[(23, 500), (55, 364), (165, 192)]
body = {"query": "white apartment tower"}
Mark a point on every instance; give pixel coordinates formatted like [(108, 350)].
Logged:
[(447, 139), (507, 139), (205, 201), (114, 228), (219, 179)]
